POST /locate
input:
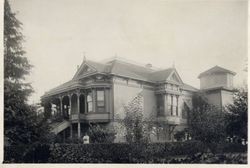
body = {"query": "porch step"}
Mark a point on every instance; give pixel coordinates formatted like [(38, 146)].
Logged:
[(57, 127)]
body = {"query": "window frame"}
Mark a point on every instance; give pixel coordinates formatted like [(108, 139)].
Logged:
[(98, 106), (160, 104), (89, 101)]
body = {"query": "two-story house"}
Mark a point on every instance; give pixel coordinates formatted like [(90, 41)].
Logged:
[(98, 92)]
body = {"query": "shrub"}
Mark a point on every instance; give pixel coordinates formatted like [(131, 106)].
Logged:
[(180, 135), (100, 134)]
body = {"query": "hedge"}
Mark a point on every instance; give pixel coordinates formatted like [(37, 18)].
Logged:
[(36, 153), (121, 153), (227, 148), (174, 152)]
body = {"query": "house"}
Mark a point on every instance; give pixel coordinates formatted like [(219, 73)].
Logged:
[(98, 92)]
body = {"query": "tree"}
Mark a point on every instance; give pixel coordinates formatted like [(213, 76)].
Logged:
[(135, 125), (206, 122), (21, 126), (237, 115)]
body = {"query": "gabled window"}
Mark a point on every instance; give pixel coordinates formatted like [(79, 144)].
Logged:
[(100, 101)]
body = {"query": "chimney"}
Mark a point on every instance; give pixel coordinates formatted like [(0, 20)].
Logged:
[(148, 66)]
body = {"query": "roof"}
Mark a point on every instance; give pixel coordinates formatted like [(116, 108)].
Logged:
[(216, 69), (218, 88), (189, 87), (121, 68), (126, 69), (66, 85), (99, 67), (160, 75)]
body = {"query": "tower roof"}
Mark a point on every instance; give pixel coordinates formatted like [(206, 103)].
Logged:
[(216, 69)]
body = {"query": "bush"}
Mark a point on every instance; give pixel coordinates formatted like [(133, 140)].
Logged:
[(98, 134), (180, 135)]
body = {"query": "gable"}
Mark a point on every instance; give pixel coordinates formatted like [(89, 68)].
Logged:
[(174, 77), (84, 70)]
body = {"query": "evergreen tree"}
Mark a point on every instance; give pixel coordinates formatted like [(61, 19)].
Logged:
[(21, 125), (237, 115)]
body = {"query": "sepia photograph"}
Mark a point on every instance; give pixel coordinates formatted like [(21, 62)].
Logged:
[(125, 82)]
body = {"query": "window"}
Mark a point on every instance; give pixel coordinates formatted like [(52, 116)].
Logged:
[(172, 87), (170, 107), (175, 87), (168, 86), (174, 105), (169, 99), (177, 106), (89, 102), (100, 101), (160, 105)]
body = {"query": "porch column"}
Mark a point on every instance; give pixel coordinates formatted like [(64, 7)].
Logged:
[(177, 105), (79, 129), (166, 105), (78, 111), (61, 106), (93, 99), (85, 103), (172, 105), (78, 104), (71, 131), (70, 106), (106, 99)]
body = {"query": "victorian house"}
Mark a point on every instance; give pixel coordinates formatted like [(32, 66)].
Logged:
[(98, 92)]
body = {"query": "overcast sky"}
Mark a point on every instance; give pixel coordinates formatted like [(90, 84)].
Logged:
[(195, 34)]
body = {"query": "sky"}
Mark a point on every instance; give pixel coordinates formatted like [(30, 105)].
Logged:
[(192, 35)]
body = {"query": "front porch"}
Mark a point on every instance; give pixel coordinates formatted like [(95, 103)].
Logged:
[(78, 107)]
